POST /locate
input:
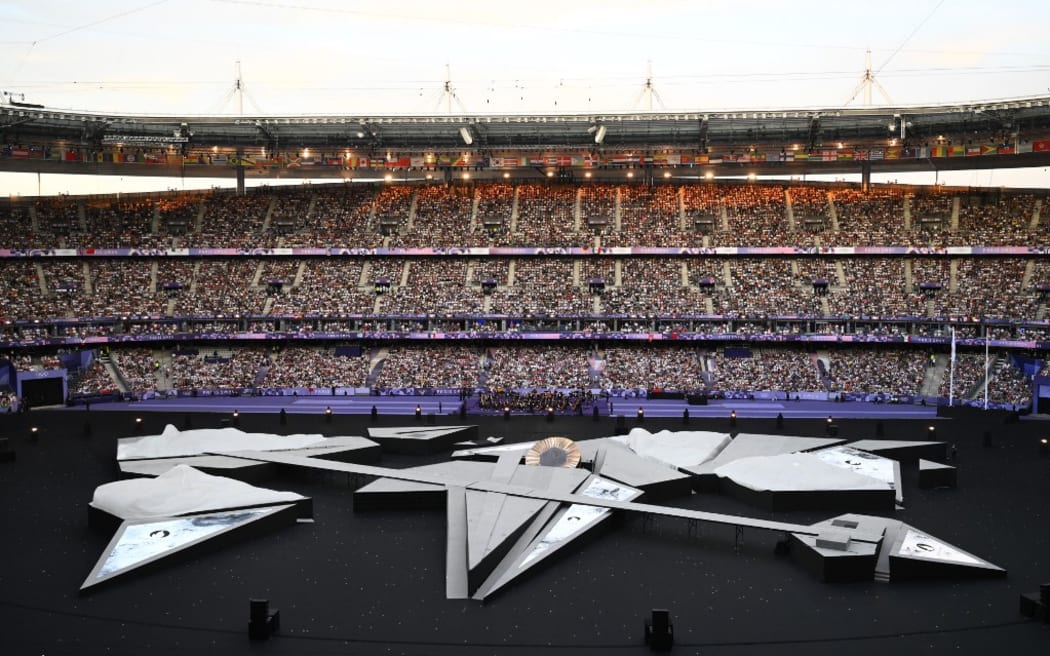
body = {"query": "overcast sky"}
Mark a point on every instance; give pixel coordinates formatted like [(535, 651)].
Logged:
[(313, 56)]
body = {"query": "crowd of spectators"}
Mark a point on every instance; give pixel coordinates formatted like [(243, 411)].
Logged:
[(328, 287), (95, 379), (222, 287), (442, 217), (306, 367), (650, 368), (767, 287), (651, 216), (342, 217), (765, 370), (897, 372), (542, 287), (435, 286), (547, 217), (757, 216), (598, 204), (538, 367), (232, 221), (138, 368), (218, 369), (535, 401), (875, 216), (357, 215), (1002, 294), (652, 286), (423, 367)]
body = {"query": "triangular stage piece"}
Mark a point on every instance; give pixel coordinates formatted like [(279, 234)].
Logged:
[(140, 544), (747, 445), (494, 521), (918, 555), (657, 479), (934, 475), (903, 450), (493, 452), (419, 439), (867, 464), (567, 525)]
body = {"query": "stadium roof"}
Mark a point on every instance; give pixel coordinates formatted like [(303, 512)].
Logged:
[(809, 127)]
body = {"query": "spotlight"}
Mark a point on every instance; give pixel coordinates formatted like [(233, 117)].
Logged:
[(34, 433), (1044, 446), (732, 419), (550, 413), (328, 413), (931, 431), (468, 138), (599, 135), (641, 414), (419, 411), (506, 412), (236, 418)]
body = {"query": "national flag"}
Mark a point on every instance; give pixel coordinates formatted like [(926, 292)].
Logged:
[(1006, 150), (876, 153), (989, 150), (1041, 146), (956, 151)]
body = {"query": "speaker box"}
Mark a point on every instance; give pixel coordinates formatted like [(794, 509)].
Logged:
[(659, 631), (262, 623)]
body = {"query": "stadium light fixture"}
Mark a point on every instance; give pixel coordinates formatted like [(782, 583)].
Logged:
[(468, 138), (599, 135), (587, 175)]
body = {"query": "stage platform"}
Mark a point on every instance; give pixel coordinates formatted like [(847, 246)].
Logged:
[(375, 582)]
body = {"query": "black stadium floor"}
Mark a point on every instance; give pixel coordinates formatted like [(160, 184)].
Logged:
[(373, 583)]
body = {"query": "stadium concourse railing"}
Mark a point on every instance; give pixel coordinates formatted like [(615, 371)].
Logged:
[(597, 396), (656, 335)]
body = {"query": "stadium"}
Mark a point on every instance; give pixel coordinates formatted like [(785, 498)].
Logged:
[(530, 275)]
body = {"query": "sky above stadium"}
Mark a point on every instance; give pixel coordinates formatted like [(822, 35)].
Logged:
[(349, 57)]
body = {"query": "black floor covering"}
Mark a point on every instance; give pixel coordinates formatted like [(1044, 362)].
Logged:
[(373, 583)]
